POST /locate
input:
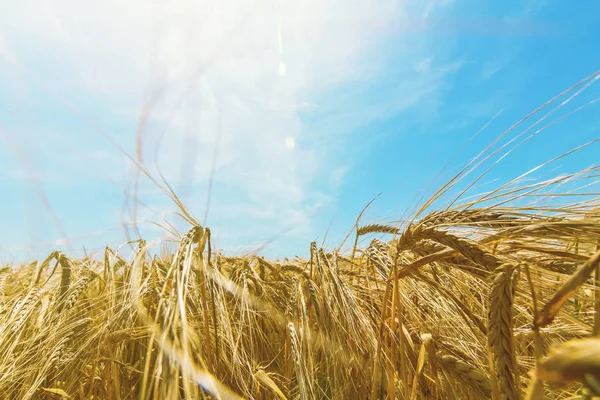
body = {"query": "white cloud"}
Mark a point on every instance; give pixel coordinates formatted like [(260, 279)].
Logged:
[(337, 176), (231, 75), (48, 177), (5, 50), (424, 65)]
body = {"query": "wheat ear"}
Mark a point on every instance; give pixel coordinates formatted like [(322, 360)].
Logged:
[(500, 333)]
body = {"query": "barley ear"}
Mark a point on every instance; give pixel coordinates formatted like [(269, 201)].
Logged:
[(500, 333)]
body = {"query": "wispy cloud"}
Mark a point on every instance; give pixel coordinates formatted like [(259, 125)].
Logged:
[(230, 80)]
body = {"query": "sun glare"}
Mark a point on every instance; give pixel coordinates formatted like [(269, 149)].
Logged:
[(290, 143)]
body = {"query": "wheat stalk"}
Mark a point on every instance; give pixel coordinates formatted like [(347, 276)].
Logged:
[(552, 308)]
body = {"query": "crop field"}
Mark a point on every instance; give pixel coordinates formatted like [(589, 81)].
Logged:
[(493, 296)]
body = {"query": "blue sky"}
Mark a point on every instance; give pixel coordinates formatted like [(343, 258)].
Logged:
[(304, 112)]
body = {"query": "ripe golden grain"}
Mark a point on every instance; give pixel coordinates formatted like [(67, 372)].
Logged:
[(339, 325)]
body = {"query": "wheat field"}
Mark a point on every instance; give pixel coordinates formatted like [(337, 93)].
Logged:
[(492, 297)]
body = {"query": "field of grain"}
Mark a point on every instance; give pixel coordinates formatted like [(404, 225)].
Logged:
[(494, 297)]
